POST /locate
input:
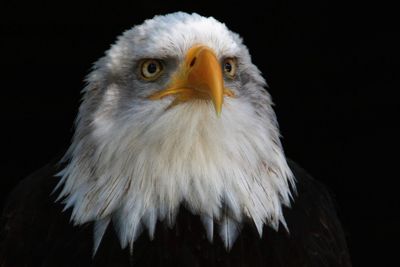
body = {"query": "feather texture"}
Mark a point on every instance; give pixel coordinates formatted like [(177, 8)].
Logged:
[(208, 223), (100, 227), (137, 161), (229, 231), (30, 215)]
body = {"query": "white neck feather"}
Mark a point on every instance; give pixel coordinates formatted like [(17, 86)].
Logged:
[(141, 167)]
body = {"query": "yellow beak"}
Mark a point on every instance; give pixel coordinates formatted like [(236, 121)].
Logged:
[(199, 77)]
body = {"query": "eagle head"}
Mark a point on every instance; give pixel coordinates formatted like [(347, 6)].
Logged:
[(176, 114)]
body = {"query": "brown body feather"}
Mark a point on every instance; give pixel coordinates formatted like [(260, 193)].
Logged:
[(35, 232)]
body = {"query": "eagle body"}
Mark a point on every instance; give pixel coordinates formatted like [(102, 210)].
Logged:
[(176, 161), (37, 233)]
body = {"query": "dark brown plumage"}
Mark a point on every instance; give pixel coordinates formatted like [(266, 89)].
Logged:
[(35, 232)]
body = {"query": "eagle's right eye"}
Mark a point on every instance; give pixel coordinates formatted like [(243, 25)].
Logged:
[(151, 69)]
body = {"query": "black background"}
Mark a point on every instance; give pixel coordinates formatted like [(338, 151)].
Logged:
[(330, 67)]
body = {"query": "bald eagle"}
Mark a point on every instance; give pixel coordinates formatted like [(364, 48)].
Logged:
[(176, 161)]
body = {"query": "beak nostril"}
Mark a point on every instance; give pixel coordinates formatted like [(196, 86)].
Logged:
[(193, 62)]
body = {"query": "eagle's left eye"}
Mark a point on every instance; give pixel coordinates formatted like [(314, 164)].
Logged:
[(229, 67), (151, 69)]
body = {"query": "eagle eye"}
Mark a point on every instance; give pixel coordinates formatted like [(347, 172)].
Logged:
[(229, 67), (151, 69)]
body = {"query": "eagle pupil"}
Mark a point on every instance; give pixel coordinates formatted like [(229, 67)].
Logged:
[(152, 68), (228, 67)]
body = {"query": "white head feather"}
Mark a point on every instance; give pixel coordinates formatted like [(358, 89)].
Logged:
[(134, 162)]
